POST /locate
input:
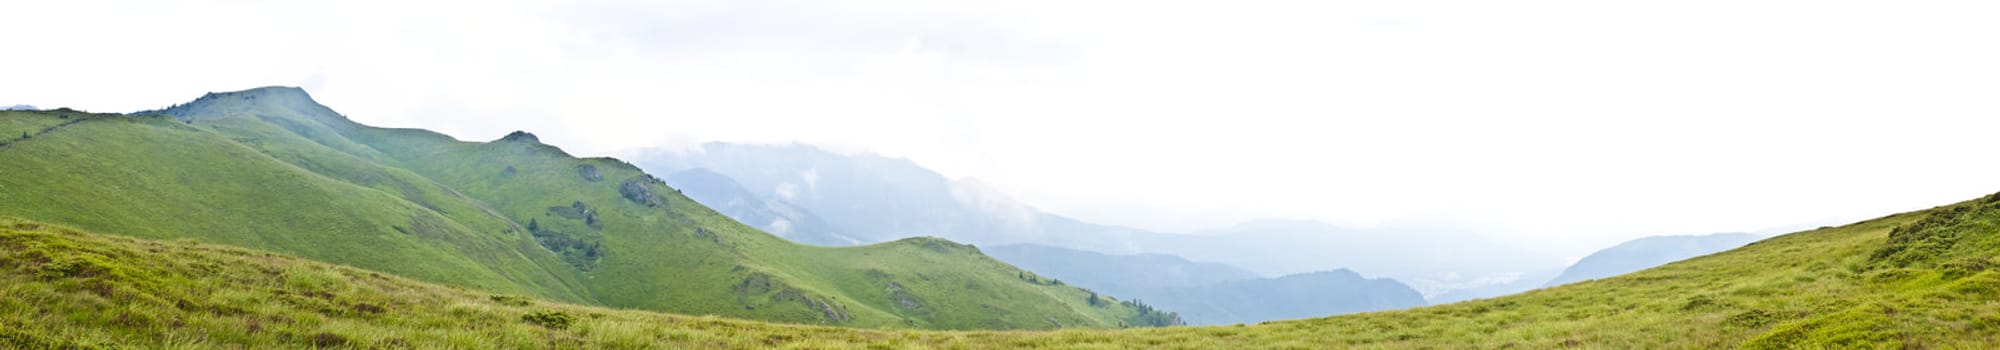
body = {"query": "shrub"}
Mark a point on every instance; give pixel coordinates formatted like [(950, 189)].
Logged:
[(1751, 319), (510, 300), (1699, 302), (550, 319), (328, 340), (73, 267)]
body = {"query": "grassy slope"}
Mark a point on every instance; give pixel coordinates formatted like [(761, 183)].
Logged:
[(729, 254), (156, 177), (268, 169), (1931, 286)]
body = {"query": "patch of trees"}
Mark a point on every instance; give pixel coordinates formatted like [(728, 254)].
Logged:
[(1036, 279), (577, 252), (1147, 316), (578, 211)]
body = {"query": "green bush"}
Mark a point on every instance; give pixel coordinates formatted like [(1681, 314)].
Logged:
[(73, 267), (550, 319), (510, 300)]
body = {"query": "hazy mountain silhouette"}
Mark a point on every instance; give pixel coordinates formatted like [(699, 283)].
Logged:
[(777, 217), (874, 198), (1643, 253), (1211, 293)]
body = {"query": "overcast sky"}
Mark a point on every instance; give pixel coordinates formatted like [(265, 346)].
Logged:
[(1570, 124)]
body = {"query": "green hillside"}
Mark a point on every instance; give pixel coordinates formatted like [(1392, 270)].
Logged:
[(1915, 280), (270, 169)]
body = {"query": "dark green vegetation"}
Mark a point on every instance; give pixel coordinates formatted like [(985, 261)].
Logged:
[(1643, 253), (1210, 293), (270, 169), (1916, 280)]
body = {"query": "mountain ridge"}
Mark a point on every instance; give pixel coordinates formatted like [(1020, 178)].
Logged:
[(861, 193), (269, 168)]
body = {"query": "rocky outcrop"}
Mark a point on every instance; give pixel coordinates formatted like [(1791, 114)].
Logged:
[(903, 298), (833, 312), (634, 189), (589, 172)]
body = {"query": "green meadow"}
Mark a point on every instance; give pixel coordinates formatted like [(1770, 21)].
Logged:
[(260, 219)]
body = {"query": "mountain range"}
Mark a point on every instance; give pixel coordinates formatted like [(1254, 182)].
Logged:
[(880, 198), (1211, 293), (271, 169)]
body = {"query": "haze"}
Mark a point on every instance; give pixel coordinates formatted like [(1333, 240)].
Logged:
[(1564, 125)]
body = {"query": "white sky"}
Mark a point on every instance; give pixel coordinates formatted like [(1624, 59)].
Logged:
[(1570, 124)]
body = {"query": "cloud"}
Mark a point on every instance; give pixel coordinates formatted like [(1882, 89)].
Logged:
[(787, 191), (780, 226), (811, 178), (838, 36)]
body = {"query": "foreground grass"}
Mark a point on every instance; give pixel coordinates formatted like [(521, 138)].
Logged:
[(1915, 280), (66, 288)]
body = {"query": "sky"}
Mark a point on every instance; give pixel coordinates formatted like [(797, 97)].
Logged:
[(1566, 124)]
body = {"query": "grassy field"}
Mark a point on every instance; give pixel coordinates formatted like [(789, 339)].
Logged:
[(1913, 280), (270, 169), (1920, 280)]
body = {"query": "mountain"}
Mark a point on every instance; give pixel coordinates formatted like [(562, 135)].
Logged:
[(1526, 282), (879, 198), (1116, 274), (778, 218), (874, 198), (271, 169), (1924, 279), (18, 108), (1643, 253), (1296, 296), (1202, 292), (1211, 293), (1432, 261)]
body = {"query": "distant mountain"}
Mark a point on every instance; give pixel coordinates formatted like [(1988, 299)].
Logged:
[(1211, 293), (1121, 275), (1298, 296), (1644, 253), (18, 108), (874, 198), (776, 217), (1432, 261), (1525, 282)]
